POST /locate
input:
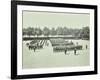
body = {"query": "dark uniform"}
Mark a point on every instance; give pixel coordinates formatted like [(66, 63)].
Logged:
[(65, 51), (86, 46), (75, 51), (34, 47)]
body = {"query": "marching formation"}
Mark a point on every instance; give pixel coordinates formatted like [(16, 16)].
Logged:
[(36, 44), (62, 45), (58, 45)]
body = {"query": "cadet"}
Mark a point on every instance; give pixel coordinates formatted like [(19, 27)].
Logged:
[(65, 51), (86, 46), (34, 47), (75, 51)]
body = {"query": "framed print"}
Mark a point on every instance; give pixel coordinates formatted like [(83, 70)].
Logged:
[(53, 39)]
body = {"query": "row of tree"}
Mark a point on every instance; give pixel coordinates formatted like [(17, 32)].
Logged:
[(30, 31)]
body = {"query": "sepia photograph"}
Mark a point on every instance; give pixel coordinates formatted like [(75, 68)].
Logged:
[(55, 39)]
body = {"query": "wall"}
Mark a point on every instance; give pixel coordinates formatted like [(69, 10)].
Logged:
[(5, 29)]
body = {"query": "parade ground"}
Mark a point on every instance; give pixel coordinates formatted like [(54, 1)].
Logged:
[(47, 58)]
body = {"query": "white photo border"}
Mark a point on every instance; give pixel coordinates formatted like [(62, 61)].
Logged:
[(21, 71)]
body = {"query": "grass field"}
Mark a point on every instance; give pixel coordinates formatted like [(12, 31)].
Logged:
[(46, 58)]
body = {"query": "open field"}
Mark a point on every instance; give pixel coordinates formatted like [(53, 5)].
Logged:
[(46, 58)]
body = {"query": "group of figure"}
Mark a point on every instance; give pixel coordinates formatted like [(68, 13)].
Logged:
[(75, 49), (37, 45)]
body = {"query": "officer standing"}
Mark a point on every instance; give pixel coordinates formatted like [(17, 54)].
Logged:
[(65, 51), (75, 51)]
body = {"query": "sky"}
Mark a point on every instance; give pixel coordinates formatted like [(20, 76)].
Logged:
[(55, 19)]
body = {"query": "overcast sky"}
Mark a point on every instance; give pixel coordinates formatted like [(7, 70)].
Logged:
[(51, 19)]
